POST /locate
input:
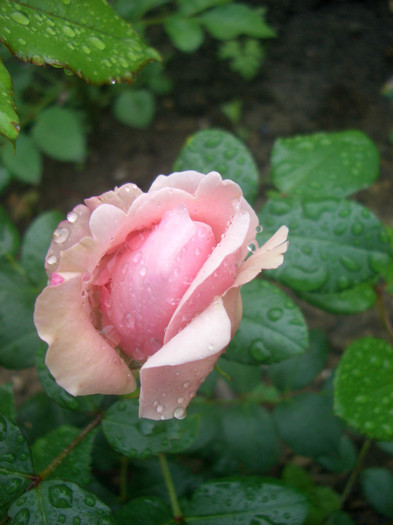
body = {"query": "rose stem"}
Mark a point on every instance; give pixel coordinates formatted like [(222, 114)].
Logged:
[(171, 488), (355, 472)]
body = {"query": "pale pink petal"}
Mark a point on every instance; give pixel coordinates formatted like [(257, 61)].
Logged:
[(121, 197), (268, 257), (171, 377), (182, 180), (81, 361)]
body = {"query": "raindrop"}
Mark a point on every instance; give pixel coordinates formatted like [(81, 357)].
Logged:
[(259, 352), (68, 31), (86, 50), (20, 18), (350, 264), (61, 518), (357, 228), (72, 216), (22, 517), (197, 251), (61, 235), (76, 520), (274, 314), (186, 384), (343, 282), (180, 399), (51, 259), (90, 500), (160, 408), (97, 43), (66, 2), (60, 496), (259, 229), (13, 485), (179, 413), (252, 247), (143, 271)]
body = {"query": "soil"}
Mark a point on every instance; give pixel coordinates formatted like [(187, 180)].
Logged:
[(324, 71)]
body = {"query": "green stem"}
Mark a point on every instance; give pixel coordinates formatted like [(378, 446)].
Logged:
[(355, 472), (171, 488)]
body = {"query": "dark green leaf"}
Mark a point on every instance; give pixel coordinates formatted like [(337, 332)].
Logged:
[(215, 150), (186, 34), (5, 178), (229, 21), (324, 164), (9, 236), (24, 160), (297, 372), (364, 387), (59, 134), (339, 518), (141, 438), (136, 9), (243, 501), (9, 120), (76, 464), (58, 394), (135, 108), (60, 502), (35, 245), (334, 244), (16, 469), (377, 485), (272, 327), (86, 37), (18, 336), (144, 511), (352, 301), (307, 424), (7, 408), (243, 378)]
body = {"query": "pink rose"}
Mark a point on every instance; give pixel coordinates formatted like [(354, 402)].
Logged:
[(154, 279)]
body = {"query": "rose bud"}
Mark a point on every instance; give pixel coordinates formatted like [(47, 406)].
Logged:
[(153, 280)]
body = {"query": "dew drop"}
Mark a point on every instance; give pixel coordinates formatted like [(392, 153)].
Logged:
[(22, 517), (60, 496), (259, 352), (61, 235), (180, 399), (143, 271), (72, 216), (51, 259), (259, 229), (68, 31), (86, 50), (274, 314), (252, 247), (187, 384), (97, 43), (90, 500), (160, 408), (20, 18), (179, 413), (357, 228)]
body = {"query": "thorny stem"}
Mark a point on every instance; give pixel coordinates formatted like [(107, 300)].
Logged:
[(177, 514), (383, 313), (355, 472)]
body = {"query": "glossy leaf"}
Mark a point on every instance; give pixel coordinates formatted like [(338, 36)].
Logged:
[(324, 164), (144, 511), (377, 485), (352, 301), (86, 37), (215, 150), (245, 500), (141, 438), (58, 394), (60, 502), (7, 408), (9, 236), (59, 134), (75, 466), (307, 425), (16, 469), (24, 160), (272, 327), (297, 372), (135, 108), (364, 387), (334, 244), (9, 120)]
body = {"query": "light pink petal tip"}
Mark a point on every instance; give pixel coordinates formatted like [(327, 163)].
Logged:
[(171, 377), (268, 257)]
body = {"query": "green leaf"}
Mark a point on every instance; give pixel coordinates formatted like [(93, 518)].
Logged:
[(245, 500), (353, 301), (272, 328), (35, 245), (243, 378), (135, 108), (60, 502), (192, 7), (9, 236), (185, 34), (334, 244), (24, 161), (16, 470), (364, 387), (144, 511), (245, 57), (215, 150), (377, 485), (76, 464), (9, 120), (136, 9), (141, 438), (7, 401), (229, 21), (306, 423), (18, 336), (339, 518), (299, 371), (59, 134), (324, 164), (58, 394), (5, 178), (86, 37)]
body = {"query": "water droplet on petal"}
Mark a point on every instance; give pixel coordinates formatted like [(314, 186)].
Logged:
[(186, 384), (180, 399), (61, 235), (143, 271), (179, 413), (72, 216), (160, 408), (252, 247), (51, 259)]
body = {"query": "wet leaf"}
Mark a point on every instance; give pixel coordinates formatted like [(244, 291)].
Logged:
[(215, 150), (9, 120), (86, 37), (144, 511), (352, 301), (364, 387), (272, 328), (334, 244), (324, 164), (7, 408)]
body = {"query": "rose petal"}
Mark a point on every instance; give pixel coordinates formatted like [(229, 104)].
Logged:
[(184, 180), (171, 377), (78, 357)]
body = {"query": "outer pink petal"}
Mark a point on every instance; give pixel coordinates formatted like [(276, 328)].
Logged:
[(171, 377), (268, 257), (78, 357), (184, 180)]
